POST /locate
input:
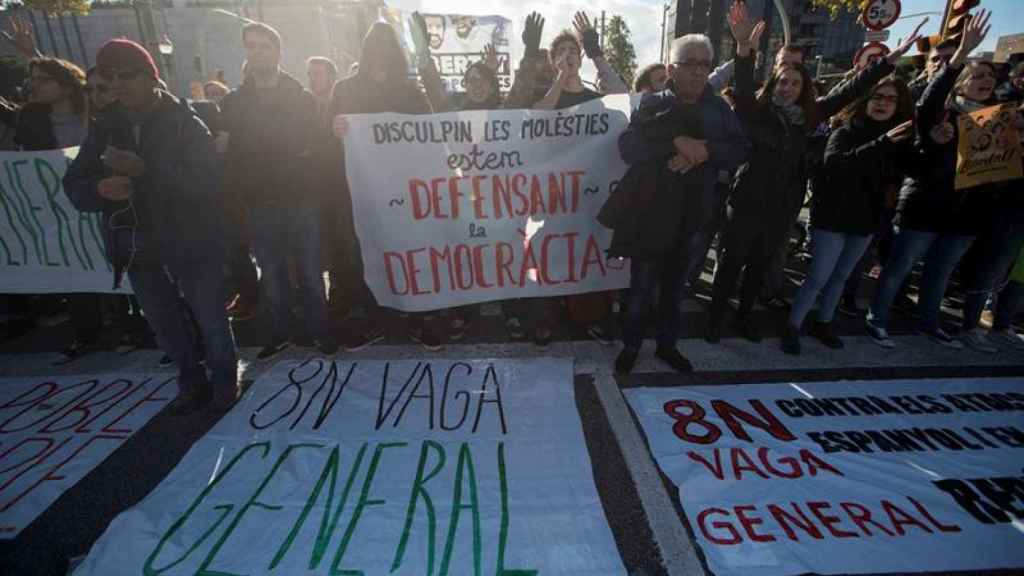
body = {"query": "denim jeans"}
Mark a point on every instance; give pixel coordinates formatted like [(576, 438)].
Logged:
[(833, 256), (164, 292), (280, 231), (648, 277), (941, 253), (995, 252)]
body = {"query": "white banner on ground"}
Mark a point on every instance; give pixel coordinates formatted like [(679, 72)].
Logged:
[(45, 244), (430, 467), (55, 430), (459, 208), (845, 477), (458, 40)]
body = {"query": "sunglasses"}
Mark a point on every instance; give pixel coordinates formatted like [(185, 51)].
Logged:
[(111, 75)]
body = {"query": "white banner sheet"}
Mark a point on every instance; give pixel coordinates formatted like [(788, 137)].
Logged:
[(845, 477), (45, 244), (55, 430), (459, 208), (406, 467)]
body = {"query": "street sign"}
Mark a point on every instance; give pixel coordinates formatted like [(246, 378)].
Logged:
[(869, 54), (880, 14), (876, 35)]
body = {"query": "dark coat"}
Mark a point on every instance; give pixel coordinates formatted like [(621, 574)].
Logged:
[(771, 186), (861, 166), (33, 130), (271, 132), (929, 201), (647, 208), (175, 215)]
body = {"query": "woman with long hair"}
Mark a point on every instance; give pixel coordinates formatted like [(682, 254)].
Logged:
[(863, 162), (935, 221), (56, 115), (769, 189)]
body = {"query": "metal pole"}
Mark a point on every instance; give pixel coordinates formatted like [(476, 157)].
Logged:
[(763, 48), (602, 30), (81, 43), (785, 21), (664, 19)]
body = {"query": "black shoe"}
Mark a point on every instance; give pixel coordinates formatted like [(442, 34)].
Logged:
[(223, 401), (426, 337), (826, 332), (78, 347), (627, 358), (327, 346), (271, 350), (848, 307), (359, 340), (673, 358), (713, 331), (776, 303), (165, 361), (747, 328), (542, 337), (190, 401), (791, 340)]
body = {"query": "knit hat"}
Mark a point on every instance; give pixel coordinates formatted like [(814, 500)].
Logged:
[(122, 54)]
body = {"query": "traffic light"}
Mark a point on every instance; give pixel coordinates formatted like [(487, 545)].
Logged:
[(958, 13)]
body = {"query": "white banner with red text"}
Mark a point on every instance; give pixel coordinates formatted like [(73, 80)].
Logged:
[(845, 477), (460, 208)]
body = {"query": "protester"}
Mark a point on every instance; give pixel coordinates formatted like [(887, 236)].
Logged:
[(381, 85), (148, 165), (677, 143), (651, 78), (1000, 207), (769, 189), (215, 91), (271, 121), (1013, 89), (938, 57), (864, 160), (934, 221)]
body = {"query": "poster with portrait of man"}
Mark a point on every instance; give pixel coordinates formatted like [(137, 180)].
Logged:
[(989, 148), (458, 40)]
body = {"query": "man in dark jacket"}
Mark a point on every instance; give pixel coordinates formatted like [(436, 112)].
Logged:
[(677, 143), (149, 165), (271, 123)]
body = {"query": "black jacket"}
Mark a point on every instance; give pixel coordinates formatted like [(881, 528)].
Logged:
[(771, 186), (860, 167), (271, 132), (929, 201), (175, 214), (648, 207), (33, 130)]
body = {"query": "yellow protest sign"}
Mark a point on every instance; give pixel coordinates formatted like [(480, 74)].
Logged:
[(989, 148)]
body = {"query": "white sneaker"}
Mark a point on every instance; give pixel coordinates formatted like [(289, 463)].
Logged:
[(975, 340), (1007, 339)]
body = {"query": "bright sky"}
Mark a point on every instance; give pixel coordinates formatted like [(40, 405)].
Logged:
[(644, 17)]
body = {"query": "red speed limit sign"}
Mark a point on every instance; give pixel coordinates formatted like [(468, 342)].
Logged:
[(869, 54), (880, 14)]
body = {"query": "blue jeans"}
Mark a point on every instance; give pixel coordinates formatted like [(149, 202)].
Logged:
[(289, 229), (833, 256), (648, 277), (167, 296), (941, 252)]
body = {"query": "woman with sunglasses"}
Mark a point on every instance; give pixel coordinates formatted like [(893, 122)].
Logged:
[(863, 163)]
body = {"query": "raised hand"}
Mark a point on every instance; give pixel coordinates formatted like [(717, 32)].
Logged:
[(974, 33), (696, 151), (679, 164), (123, 162), (340, 126), (901, 132), (745, 31), (587, 35), (904, 45), (531, 34), (21, 37), (115, 188), (943, 132), (491, 57)]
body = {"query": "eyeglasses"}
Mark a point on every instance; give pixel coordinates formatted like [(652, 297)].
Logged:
[(885, 98), (694, 64), (111, 75)]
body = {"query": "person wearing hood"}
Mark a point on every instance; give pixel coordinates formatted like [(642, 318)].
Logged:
[(270, 121), (769, 189), (864, 159), (935, 221), (148, 164)]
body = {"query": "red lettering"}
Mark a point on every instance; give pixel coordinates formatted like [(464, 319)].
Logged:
[(82, 408), (544, 268), (715, 469), (478, 198), (816, 509), (735, 537), (749, 523), (592, 256), (478, 267), (794, 465), (150, 397), (897, 523), (695, 416), (414, 271), (454, 196), (390, 272), (785, 520), (924, 512), (860, 515), (814, 463), (435, 197), (505, 256), (769, 423), (420, 210), (576, 175), (747, 464)]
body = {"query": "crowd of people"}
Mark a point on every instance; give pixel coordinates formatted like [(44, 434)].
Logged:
[(196, 194)]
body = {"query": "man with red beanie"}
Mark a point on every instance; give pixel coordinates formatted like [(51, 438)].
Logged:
[(149, 166)]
